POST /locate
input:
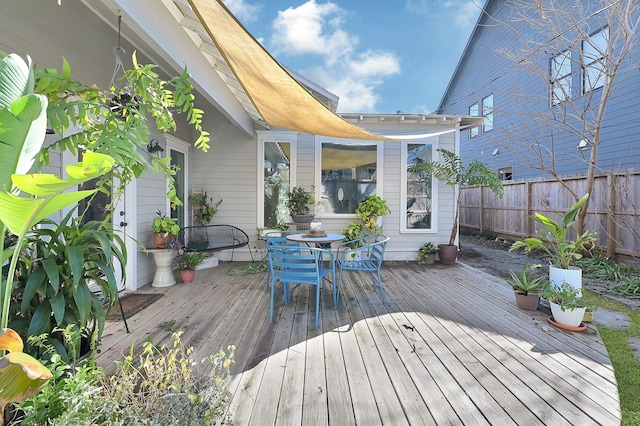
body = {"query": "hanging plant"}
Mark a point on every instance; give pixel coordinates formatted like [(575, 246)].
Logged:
[(204, 207)]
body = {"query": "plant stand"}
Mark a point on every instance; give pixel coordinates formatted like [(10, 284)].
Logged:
[(164, 275)]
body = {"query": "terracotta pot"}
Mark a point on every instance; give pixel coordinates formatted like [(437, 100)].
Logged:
[(187, 276), (528, 302), (447, 254), (162, 240)]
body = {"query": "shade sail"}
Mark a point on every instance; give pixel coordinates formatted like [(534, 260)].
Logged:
[(278, 97)]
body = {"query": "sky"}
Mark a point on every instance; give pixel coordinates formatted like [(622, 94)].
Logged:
[(378, 56)]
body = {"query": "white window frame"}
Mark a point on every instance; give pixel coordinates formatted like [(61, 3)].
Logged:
[(593, 55), (178, 145), (433, 140), (488, 115), (560, 83), (265, 136), (321, 213), (474, 131)]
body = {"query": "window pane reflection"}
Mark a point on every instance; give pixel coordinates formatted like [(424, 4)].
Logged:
[(276, 183), (419, 189)]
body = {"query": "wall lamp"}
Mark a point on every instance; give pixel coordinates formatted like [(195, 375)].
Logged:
[(154, 147), (583, 145)]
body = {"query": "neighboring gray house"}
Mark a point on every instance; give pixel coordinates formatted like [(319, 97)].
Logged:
[(247, 148), (530, 82)]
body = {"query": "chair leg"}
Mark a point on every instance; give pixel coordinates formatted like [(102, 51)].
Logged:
[(317, 304), (124, 318), (381, 289)]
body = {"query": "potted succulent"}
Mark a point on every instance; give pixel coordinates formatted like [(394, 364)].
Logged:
[(427, 254), (370, 211), (561, 251), (452, 172), (186, 264), (567, 304), (299, 203), (164, 229), (526, 288)]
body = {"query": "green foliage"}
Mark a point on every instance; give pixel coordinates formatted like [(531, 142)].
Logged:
[(369, 210), (161, 387), (251, 268), (299, 201), (163, 224), (424, 251), (602, 268), (565, 295), (629, 287), (453, 172), (115, 121), (560, 249), (205, 207), (524, 283), (189, 260), (353, 231)]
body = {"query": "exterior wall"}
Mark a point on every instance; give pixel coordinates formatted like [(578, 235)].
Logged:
[(520, 96)]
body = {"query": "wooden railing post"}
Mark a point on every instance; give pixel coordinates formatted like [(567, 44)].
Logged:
[(611, 217), (481, 210), (527, 209)]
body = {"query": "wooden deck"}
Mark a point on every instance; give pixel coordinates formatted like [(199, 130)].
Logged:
[(450, 347)]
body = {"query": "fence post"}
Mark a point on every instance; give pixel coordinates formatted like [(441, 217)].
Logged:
[(481, 210), (611, 217), (527, 209)]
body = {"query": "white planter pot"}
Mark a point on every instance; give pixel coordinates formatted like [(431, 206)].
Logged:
[(572, 318), (572, 276)]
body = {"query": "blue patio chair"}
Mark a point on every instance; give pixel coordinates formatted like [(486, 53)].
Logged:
[(279, 238), (306, 265), (363, 254)]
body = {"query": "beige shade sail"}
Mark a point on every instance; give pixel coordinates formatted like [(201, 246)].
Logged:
[(279, 98)]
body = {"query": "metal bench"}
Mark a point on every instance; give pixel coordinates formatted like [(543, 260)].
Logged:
[(211, 238)]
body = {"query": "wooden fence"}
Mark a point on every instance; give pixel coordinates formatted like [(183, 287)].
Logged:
[(613, 209)]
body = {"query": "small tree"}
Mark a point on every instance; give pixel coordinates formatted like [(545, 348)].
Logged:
[(452, 172)]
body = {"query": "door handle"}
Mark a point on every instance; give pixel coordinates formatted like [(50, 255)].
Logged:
[(123, 224)]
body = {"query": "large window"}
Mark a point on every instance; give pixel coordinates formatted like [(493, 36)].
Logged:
[(594, 50), (474, 110), (487, 112), (276, 172), (349, 173), (560, 77), (418, 188)]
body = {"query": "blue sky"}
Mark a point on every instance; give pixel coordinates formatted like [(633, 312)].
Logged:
[(378, 56)]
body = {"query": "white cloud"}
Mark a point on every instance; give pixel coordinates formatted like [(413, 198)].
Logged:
[(243, 11), (319, 29), (464, 13)]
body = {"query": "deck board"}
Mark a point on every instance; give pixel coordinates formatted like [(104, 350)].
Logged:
[(449, 347)]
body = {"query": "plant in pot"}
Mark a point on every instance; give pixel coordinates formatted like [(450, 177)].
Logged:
[(567, 305), (526, 288), (561, 250), (299, 203), (370, 210), (427, 254), (187, 263), (452, 172), (164, 229)]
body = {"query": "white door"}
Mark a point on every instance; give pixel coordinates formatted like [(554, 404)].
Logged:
[(178, 151)]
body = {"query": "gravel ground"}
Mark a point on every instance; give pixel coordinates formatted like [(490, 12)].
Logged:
[(493, 257)]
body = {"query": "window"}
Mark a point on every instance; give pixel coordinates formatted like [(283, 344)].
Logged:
[(487, 112), (594, 50), (505, 173), (474, 110), (418, 188), (349, 173), (276, 172), (560, 77)]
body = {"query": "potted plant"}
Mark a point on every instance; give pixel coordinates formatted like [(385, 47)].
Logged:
[(186, 264), (526, 288), (353, 231), (299, 203), (427, 254), (164, 230), (561, 250), (567, 304), (370, 210), (452, 172)]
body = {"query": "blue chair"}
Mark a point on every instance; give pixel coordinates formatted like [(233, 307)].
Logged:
[(279, 238), (363, 254), (306, 265)]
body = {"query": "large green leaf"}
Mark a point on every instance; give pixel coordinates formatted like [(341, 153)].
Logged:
[(23, 125), (82, 297), (57, 303), (16, 79), (75, 255), (51, 268), (34, 282)]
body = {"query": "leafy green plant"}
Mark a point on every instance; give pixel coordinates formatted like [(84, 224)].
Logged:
[(369, 210), (452, 172), (353, 231), (188, 261), (628, 287), (163, 224), (556, 244), (566, 295), (205, 207), (424, 251), (299, 201), (525, 284)]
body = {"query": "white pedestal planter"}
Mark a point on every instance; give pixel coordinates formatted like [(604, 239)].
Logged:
[(572, 276), (164, 275)]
